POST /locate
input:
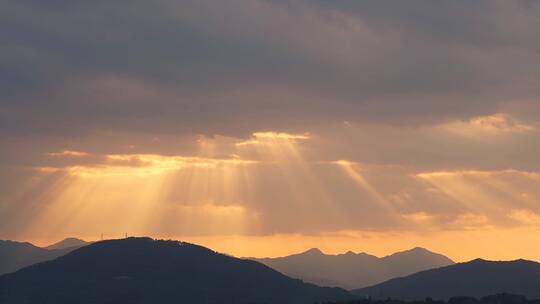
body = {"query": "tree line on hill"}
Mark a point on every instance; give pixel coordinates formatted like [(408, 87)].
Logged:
[(501, 298)]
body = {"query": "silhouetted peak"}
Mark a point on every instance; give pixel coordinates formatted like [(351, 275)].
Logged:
[(416, 250), (15, 243), (413, 251), (68, 243), (478, 261), (419, 252), (314, 251), (523, 261)]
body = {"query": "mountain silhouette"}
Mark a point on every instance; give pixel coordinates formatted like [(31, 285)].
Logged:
[(143, 270), (68, 243), (353, 270), (16, 255), (476, 278)]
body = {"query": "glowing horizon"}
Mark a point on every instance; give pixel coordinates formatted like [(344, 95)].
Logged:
[(206, 199)]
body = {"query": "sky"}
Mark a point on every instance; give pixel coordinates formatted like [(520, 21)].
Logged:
[(264, 128)]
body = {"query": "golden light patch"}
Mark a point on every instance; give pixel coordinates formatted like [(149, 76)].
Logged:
[(458, 173), (497, 124), (266, 137), (343, 163), (68, 153), (478, 173), (500, 123), (469, 221), (418, 217), (280, 135), (248, 142), (525, 216), (143, 164), (283, 148), (48, 169)]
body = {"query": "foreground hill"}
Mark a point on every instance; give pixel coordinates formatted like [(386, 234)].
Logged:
[(476, 278), (142, 270), (16, 255), (502, 298), (353, 270)]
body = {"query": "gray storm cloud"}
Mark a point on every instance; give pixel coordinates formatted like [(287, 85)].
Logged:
[(195, 66)]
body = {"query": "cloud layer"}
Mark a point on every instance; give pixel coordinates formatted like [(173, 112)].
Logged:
[(201, 118), (209, 68)]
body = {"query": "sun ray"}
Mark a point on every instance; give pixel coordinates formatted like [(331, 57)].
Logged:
[(349, 169), (136, 186)]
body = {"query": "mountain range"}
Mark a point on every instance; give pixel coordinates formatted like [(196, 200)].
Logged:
[(476, 278), (143, 270), (353, 270), (16, 255)]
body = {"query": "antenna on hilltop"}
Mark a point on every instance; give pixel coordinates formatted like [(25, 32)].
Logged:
[(126, 235), (102, 236)]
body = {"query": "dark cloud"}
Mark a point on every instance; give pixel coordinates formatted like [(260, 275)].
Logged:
[(311, 61)]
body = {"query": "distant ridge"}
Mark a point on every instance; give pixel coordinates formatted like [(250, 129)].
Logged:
[(352, 270), (16, 255), (476, 278), (68, 243), (143, 270)]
